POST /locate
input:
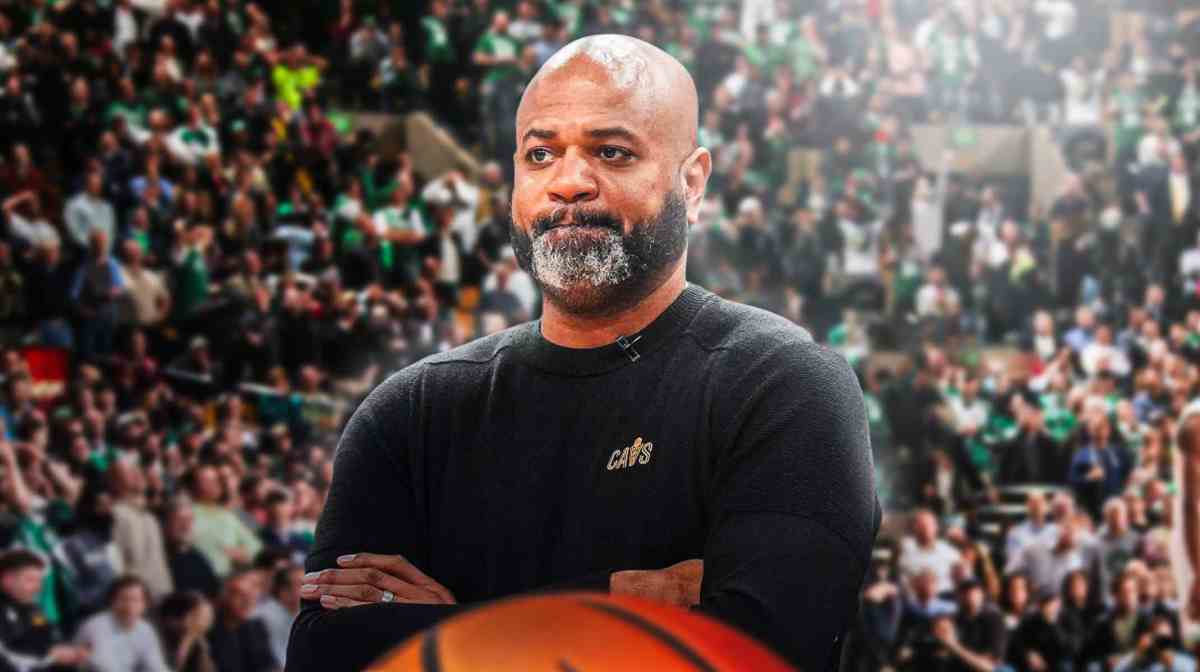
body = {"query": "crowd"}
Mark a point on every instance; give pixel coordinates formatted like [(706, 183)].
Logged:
[(203, 270)]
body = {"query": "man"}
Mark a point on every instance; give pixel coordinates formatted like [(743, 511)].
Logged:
[(136, 531), (97, 285), (642, 423), (120, 637), (1116, 544), (1035, 529), (1047, 564), (147, 290), (924, 550), (976, 637), (239, 641), (279, 609), (88, 212), (218, 533), (27, 639)]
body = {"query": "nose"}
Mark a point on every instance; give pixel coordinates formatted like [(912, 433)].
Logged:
[(573, 180)]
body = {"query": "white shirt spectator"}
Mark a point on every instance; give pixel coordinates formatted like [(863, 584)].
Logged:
[(932, 300), (1095, 352), (1150, 149), (861, 249), (520, 284), (1081, 97), (149, 294), (279, 626), (1023, 535), (1058, 17), (939, 558), (85, 213), (1045, 568), (465, 195), (115, 649), (35, 232), (1189, 262), (125, 29)]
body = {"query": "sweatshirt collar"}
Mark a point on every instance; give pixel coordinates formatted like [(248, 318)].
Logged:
[(547, 356)]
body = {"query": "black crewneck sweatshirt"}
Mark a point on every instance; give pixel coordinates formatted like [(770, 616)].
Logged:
[(511, 464)]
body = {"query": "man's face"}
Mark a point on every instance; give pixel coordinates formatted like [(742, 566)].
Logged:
[(23, 585), (241, 593), (599, 215), (129, 605)]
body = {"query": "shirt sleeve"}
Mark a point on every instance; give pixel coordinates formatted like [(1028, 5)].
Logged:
[(370, 508), (794, 511)]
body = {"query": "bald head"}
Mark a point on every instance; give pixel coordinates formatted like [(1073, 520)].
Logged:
[(643, 80)]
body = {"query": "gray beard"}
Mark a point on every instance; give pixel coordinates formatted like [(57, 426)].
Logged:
[(566, 265)]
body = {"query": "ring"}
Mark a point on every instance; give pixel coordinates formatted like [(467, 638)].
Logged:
[(388, 596)]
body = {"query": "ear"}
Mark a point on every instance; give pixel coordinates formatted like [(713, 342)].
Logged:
[(696, 169)]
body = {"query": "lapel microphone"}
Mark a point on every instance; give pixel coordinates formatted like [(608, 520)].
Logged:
[(627, 347)]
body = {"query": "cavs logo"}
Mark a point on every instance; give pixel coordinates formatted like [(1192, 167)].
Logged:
[(638, 453)]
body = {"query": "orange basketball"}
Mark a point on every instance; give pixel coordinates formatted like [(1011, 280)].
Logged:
[(579, 632)]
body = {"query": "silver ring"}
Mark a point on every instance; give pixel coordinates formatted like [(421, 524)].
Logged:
[(388, 596)]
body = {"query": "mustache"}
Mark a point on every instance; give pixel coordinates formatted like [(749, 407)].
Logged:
[(580, 217)]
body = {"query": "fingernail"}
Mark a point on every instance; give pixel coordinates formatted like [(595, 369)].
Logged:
[(326, 599), (311, 576), (347, 558), (308, 588)]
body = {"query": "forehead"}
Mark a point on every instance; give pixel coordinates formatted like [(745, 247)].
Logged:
[(583, 95)]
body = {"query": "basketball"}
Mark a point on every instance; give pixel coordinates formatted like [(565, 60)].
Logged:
[(579, 632)]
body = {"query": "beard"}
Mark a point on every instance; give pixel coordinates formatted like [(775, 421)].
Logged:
[(593, 267)]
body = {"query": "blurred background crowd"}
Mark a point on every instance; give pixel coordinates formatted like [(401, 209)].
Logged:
[(208, 257)]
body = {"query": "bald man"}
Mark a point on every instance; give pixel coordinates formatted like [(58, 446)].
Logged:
[(643, 437)]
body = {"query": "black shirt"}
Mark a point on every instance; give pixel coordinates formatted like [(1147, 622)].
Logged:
[(513, 464), (245, 647)]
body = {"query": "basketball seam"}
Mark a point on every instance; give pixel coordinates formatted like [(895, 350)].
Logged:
[(429, 653), (665, 637)]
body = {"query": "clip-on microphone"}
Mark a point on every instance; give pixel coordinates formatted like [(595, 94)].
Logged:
[(627, 346)]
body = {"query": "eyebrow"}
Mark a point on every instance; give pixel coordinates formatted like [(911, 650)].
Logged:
[(598, 133)]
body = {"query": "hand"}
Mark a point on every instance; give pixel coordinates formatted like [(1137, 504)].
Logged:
[(943, 630), (678, 584), (1035, 661), (238, 555), (1095, 474), (363, 577), (65, 654)]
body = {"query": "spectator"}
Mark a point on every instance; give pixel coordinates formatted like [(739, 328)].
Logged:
[(190, 568), (1036, 529), (240, 642), (218, 533), (1118, 629), (1099, 467), (119, 637), (924, 551), (1040, 641), (88, 212), (136, 531), (90, 553), (97, 285), (186, 619), (1047, 564), (279, 608), (28, 640), (976, 637)]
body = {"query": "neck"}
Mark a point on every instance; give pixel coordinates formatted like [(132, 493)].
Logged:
[(574, 331)]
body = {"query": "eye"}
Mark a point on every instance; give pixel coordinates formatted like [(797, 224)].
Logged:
[(537, 154), (611, 153)]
